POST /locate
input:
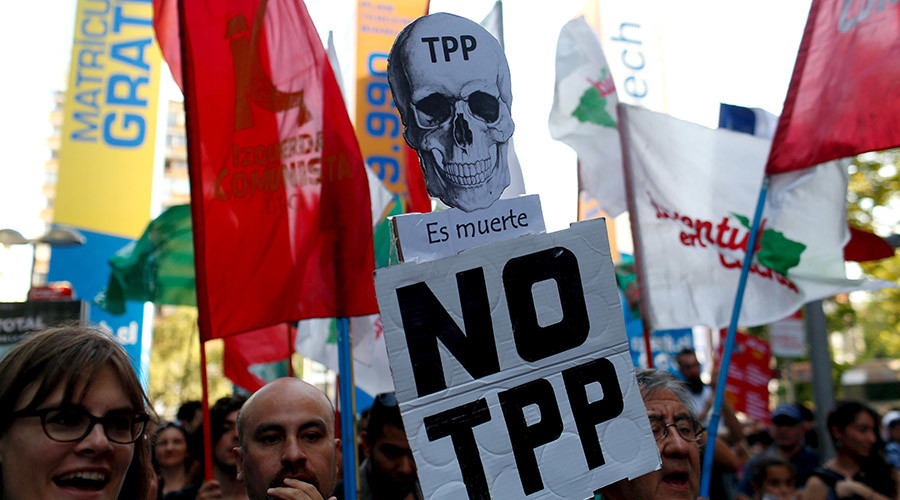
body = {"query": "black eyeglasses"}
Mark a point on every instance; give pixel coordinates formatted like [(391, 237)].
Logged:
[(69, 424), (688, 430)]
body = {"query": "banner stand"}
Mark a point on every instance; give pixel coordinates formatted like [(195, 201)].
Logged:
[(729, 342)]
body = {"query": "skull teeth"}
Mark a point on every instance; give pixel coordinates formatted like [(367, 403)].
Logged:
[(467, 174)]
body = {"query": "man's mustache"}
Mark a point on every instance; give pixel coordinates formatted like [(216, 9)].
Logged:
[(278, 481)]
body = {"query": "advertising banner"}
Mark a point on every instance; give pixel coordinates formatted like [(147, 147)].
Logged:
[(378, 126), (18, 319), (109, 131), (747, 388), (512, 369), (87, 268)]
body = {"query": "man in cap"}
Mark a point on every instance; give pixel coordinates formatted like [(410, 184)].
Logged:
[(787, 432), (287, 446)]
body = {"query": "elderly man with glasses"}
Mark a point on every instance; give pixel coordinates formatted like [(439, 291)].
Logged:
[(678, 436)]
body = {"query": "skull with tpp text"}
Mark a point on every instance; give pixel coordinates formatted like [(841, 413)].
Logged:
[(450, 81)]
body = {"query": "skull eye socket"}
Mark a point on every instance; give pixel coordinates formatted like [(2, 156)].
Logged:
[(484, 106), (433, 110)]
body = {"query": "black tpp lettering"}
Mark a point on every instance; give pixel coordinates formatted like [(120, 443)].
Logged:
[(458, 424), (525, 438), (468, 45), (449, 44), (425, 321), (534, 342), (431, 40), (588, 414)]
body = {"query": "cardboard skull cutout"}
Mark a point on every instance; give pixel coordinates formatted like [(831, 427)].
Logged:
[(450, 82)]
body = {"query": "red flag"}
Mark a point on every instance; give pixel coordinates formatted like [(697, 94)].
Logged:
[(844, 97), (865, 246), (274, 343), (280, 202), (165, 23)]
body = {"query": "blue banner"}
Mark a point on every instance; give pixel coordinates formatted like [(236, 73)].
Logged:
[(87, 268)]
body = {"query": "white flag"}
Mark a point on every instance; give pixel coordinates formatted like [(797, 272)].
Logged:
[(695, 193), (493, 23), (584, 114)]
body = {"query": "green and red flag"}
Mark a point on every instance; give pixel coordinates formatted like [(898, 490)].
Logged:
[(584, 115)]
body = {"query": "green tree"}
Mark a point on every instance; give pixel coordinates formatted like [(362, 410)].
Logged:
[(175, 361), (873, 200)]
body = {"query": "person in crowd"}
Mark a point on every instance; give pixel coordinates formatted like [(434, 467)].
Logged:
[(810, 436), (287, 449), (858, 470), (190, 416), (176, 468), (223, 430), (678, 435), (72, 418), (787, 431), (223, 436), (700, 393), (774, 478), (389, 470), (890, 425), (361, 425)]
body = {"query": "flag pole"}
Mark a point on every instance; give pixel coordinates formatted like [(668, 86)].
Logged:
[(635, 234), (290, 359), (207, 436), (193, 158), (729, 342), (348, 410)]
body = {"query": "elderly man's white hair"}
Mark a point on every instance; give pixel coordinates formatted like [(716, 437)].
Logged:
[(651, 381)]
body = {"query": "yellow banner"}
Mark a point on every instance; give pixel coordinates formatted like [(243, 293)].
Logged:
[(377, 120), (109, 130)]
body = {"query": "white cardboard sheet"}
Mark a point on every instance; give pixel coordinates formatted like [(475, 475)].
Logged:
[(447, 232), (628, 447)]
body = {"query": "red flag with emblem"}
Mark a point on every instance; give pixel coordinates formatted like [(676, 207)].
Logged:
[(280, 201), (844, 97)]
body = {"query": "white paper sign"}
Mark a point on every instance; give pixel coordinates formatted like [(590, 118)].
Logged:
[(512, 369), (447, 232), (787, 338)]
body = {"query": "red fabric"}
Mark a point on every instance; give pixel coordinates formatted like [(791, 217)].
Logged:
[(267, 345), (280, 200), (417, 196), (844, 97), (865, 246), (165, 23)]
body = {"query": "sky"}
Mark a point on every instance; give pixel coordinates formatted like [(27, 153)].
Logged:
[(713, 51)]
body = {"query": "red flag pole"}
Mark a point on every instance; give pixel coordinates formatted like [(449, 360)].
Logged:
[(207, 437), (193, 157)]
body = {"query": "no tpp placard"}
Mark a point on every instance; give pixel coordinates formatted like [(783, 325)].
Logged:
[(512, 368)]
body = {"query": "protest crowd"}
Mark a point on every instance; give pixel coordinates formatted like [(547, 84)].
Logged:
[(511, 361), (280, 443)]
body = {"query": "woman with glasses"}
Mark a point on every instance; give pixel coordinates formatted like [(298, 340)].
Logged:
[(858, 470), (72, 414)]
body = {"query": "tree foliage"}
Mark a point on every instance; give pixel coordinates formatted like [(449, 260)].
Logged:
[(873, 204), (175, 362)]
